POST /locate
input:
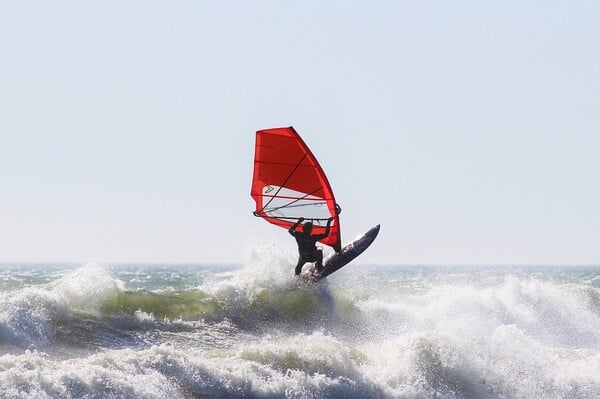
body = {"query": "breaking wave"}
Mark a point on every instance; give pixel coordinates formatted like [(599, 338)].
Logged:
[(259, 332)]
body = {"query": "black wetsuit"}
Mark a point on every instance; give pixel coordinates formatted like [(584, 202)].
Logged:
[(307, 249)]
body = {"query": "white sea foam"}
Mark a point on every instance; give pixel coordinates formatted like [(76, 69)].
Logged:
[(27, 314), (515, 339), (22, 323), (509, 336), (87, 287)]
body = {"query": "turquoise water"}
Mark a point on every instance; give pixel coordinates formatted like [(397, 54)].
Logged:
[(168, 331)]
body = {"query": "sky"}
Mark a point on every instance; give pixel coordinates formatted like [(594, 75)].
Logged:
[(469, 130)]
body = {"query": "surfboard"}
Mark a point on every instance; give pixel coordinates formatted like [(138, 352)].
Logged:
[(340, 259)]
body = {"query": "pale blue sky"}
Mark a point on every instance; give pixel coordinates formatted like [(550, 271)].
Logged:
[(469, 130)]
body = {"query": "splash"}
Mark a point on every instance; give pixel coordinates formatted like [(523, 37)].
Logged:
[(257, 332), (86, 288)]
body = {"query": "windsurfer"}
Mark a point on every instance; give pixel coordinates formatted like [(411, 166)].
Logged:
[(307, 249)]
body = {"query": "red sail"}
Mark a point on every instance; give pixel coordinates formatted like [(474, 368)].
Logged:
[(288, 183)]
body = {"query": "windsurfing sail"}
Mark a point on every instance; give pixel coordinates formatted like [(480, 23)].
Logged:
[(289, 183)]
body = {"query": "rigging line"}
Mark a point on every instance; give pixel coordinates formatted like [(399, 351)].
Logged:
[(294, 218), (291, 202), (286, 180), (312, 204)]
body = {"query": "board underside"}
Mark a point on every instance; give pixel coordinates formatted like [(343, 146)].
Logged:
[(345, 256)]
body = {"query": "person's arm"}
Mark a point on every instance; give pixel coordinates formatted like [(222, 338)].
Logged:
[(292, 229), (327, 229)]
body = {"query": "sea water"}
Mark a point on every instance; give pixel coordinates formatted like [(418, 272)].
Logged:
[(255, 331)]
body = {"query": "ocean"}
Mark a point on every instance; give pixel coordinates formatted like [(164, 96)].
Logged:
[(255, 331)]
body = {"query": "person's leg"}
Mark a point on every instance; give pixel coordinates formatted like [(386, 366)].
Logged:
[(299, 265), (319, 262)]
